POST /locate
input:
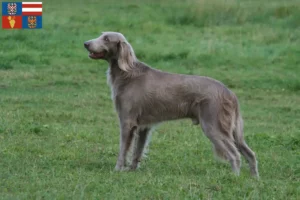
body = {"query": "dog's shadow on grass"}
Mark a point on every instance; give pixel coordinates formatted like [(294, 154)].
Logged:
[(92, 165), (179, 169), (207, 168)]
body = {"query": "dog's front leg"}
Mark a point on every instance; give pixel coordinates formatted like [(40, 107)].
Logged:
[(142, 137), (126, 134)]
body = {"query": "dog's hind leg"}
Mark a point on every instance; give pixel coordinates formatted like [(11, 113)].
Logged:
[(223, 145), (226, 150), (244, 148), (232, 155), (250, 157), (140, 145)]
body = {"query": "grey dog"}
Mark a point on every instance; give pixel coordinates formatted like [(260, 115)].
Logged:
[(144, 96)]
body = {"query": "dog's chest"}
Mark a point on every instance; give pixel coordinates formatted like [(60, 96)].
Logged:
[(109, 82)]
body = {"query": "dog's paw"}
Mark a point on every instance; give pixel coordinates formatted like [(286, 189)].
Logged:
[(120, 168), (134, 166)]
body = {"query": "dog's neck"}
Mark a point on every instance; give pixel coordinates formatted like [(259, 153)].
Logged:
[(115, 76), (114, 70)]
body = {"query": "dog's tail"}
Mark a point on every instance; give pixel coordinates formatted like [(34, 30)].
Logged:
[(238, 128), (230, 119)]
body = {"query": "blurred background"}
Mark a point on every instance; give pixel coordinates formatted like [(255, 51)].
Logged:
[(59, 134)]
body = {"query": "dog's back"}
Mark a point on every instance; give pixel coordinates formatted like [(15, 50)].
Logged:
[(157, 96)]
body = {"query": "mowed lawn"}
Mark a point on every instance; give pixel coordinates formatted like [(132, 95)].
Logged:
[(59, 135)]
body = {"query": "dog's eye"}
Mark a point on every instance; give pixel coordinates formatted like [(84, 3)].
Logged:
[(106, 39)]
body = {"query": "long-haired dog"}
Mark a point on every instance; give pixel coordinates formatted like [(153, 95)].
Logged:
[(144, 96)]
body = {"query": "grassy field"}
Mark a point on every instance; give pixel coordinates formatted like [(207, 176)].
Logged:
[(59, 134)]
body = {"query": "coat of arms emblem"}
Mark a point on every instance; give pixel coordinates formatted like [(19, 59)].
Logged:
[(11, 8), (31, 21)]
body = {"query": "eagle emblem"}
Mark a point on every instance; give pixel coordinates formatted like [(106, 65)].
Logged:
[(12, 8), (32, 21)]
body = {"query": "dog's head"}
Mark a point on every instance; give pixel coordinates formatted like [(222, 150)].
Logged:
[(112, 45)]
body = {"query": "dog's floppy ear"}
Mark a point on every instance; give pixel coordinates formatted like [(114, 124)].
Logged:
[(126, 57)]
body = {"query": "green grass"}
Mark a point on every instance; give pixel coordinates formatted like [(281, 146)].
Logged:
[(59, 134)]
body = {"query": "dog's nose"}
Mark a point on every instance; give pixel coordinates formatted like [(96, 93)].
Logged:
[(86, 44)]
